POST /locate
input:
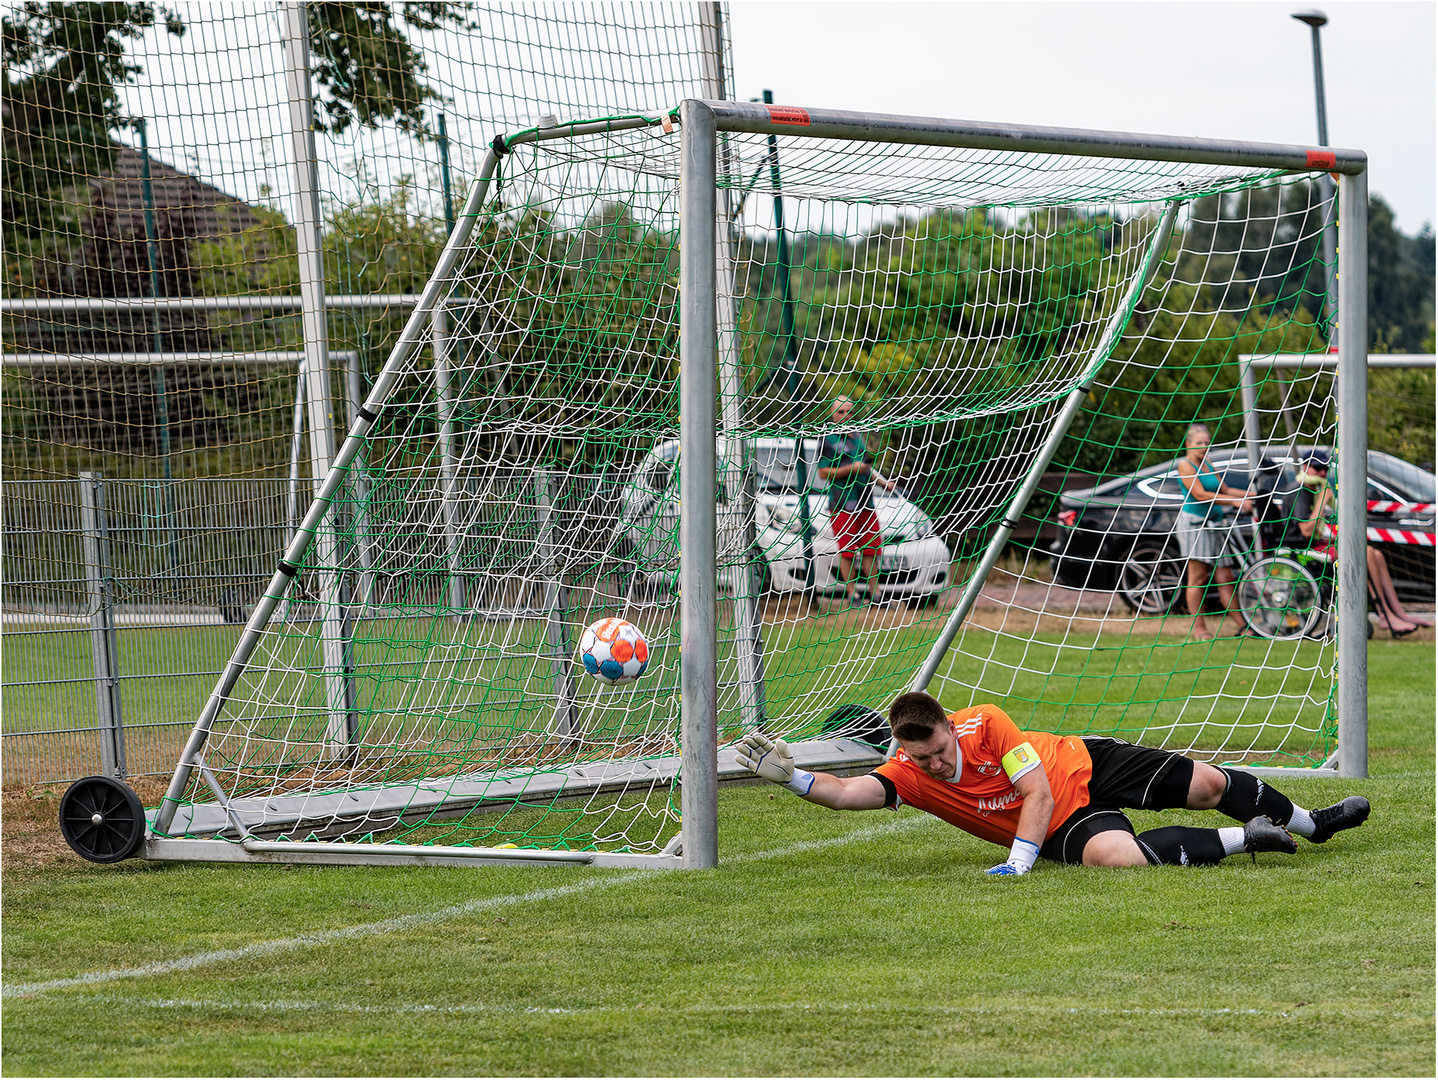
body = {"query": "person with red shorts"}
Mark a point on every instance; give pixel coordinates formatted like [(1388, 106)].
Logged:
[(843, 463), (1057, 797)]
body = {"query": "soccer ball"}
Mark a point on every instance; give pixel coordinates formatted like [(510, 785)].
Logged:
[(614, 651)]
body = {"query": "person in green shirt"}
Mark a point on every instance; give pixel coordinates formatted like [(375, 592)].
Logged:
[(843, 461)]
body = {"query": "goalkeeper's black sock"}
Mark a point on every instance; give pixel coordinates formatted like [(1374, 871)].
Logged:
[(1248, 797), (1179, 845)]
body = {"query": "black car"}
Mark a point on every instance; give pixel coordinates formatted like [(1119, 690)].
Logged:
[(1120, 535)]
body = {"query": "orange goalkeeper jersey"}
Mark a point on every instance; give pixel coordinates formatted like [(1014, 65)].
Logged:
[(981, 798)]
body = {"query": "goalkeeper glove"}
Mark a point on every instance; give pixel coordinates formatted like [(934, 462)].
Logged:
[(1021, 859), (772, 760)]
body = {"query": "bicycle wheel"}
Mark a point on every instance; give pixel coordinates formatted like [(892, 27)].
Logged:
[(1278, 598)]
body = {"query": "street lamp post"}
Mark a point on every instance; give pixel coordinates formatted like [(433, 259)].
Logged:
[(1316, 19)]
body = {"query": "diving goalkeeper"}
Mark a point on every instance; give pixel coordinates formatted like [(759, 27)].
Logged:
[(1061, 797)]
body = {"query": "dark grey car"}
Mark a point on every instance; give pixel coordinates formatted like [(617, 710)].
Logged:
[(1119, 535)]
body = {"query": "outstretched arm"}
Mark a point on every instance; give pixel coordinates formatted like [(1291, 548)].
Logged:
[(771, 759)]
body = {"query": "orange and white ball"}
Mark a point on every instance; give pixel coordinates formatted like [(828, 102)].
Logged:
[(614, 651)]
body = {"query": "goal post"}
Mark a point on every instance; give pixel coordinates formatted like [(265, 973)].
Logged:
[(977, 290), (1352, 496)]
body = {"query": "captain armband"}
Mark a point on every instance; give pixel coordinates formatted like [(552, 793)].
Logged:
[(1019, 761)]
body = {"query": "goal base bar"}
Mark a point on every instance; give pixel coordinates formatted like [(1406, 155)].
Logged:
[(337, 814), (284, 851)]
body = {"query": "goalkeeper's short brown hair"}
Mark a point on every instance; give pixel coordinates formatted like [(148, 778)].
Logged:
[(915, 716)]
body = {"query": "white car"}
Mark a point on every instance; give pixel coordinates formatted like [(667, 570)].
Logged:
[(913, 562)]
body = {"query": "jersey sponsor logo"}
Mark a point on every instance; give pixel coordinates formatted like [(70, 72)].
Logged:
[(998, 802)]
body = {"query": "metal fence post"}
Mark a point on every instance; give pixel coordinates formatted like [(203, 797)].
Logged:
[(328, 574), (95, 552)]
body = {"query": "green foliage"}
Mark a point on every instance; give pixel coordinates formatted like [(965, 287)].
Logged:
[(1258, 247), (1400, 413), (581, 331), (1400, 284), (897, 311), (371, 71), (1178, 365), (60, 66)]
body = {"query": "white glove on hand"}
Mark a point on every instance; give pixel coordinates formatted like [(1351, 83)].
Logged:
[(1021, 859), (771, 759)]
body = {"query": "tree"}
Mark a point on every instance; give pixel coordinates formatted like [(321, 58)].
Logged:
[(62, 70), (368, 68), (1400, 283), (61, 66)]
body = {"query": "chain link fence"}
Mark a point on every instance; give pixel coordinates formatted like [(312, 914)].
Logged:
[(122, 600)]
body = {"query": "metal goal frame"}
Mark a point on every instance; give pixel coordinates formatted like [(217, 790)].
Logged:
[(701, 123), (703, 297)]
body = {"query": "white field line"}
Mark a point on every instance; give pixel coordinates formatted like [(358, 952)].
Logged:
[(428, 918), (1019, 1008)]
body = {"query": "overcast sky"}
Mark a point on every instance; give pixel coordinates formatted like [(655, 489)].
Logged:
[(1228, 69)]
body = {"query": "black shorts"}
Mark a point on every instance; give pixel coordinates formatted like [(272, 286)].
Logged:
[(1125, 777)]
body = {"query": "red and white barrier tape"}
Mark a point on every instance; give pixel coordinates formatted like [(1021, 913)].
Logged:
[(1378, 506), (1403, 536)]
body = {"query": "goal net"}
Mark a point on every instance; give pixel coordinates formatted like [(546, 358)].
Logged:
[(1007, 323)]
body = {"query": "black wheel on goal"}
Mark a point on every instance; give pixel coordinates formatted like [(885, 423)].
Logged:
[(859, 722), (102, 819)]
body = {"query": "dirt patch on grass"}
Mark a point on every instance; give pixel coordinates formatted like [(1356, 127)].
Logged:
[(30, 837)]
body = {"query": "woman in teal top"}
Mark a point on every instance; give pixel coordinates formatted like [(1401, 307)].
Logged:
[(1204, 531), (1209, 480)]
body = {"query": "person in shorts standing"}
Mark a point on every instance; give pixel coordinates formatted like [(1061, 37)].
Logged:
[(843, 462), (1205, 530)]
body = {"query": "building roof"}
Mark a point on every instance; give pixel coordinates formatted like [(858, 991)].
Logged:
[(211, 211)]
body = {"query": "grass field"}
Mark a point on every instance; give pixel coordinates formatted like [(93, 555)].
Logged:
[(825, 943)]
